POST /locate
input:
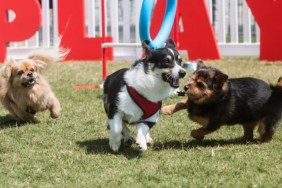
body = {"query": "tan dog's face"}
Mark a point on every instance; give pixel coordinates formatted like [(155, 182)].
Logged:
[(205, 84), (24, 73)]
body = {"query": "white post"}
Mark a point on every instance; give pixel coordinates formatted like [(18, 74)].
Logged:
[(246, 23), (221, 21), (90, 15), (234, 20), (45, 23), (257, 33), (55, 22), (114, 20), (209, 6), (137, 6), (126, 20)]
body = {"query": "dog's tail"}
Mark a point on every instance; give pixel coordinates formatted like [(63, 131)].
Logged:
[(277, 89), (48, 56), (273, 107), (276, 97), (279, 82)]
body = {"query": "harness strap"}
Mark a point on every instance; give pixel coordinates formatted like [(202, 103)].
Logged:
[(149, 108)]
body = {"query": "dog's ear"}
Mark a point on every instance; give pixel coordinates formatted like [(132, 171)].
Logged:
[(170, 43), (40, 65), (146, 48), (201, 65), (7, 68), (219, 80)]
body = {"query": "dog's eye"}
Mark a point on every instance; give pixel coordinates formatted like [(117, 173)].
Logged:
[(180, 61), (166, 61), (31, 70), (200, 85), (20, 73)]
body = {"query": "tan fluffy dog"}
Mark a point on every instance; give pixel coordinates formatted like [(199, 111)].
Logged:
[(23, 90)]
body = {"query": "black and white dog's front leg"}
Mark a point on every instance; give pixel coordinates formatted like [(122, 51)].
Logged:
[(142, 137), (128, 139), (115, 132)]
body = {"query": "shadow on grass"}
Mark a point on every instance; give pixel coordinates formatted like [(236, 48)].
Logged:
[(8, 122), (175, 144), (102, 146)]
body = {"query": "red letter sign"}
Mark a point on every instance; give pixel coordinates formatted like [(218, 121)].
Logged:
[(198, 37), (72, 30), (268, 15), (26, 23)]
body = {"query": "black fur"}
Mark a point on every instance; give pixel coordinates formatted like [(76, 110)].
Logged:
[(243, 102), (247, 101), (114, 82)]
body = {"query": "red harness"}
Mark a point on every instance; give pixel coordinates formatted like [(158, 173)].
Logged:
[(149, 108)]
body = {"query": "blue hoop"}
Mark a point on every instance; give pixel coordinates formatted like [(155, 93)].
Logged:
[(145, 20)]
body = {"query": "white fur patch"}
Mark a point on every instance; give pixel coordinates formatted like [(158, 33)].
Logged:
[(141, 138), (150, 85)]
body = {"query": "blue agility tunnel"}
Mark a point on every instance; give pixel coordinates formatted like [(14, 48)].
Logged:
[(145, 20)]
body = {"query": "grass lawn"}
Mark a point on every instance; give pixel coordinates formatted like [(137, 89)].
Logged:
[(73, 150)]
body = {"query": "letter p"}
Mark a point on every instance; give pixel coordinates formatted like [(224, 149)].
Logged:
[(26, 22)]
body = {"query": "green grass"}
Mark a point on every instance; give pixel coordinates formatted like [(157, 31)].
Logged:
[(73, 150)]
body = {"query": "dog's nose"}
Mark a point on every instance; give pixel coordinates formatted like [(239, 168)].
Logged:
[(182, 73), (29, 74)]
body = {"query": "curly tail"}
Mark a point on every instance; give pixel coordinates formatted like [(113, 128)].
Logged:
[(276, 96), (279, 82), (273, 110), (277, 89), (48, 56)]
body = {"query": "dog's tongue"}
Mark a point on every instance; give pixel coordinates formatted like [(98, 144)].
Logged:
[(175, 82), (31, 81)]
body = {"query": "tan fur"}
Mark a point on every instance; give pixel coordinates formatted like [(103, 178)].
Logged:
[(170, 109), (24, 102)]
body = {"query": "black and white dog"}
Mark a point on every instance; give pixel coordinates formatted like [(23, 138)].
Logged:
[(135, 95)]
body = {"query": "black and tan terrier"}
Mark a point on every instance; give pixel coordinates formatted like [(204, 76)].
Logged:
[(214, 100)]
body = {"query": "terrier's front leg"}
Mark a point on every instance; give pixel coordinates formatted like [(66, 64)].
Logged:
[(128, 139), (171, 109)]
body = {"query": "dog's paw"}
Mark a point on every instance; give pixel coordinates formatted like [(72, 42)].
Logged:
[(55, 109), (197, 135), (128, 141), (181, 93), (149, 140), (34, 120), (265, 138), (142, 146), (167, 110), (114, 146), (55, 112), (141, 141), (54, 115)]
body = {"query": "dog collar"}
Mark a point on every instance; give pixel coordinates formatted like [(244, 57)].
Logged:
[(149, 108)]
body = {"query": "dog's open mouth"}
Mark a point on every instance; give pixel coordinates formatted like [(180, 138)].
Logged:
[(169, 79), (29, 83)]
